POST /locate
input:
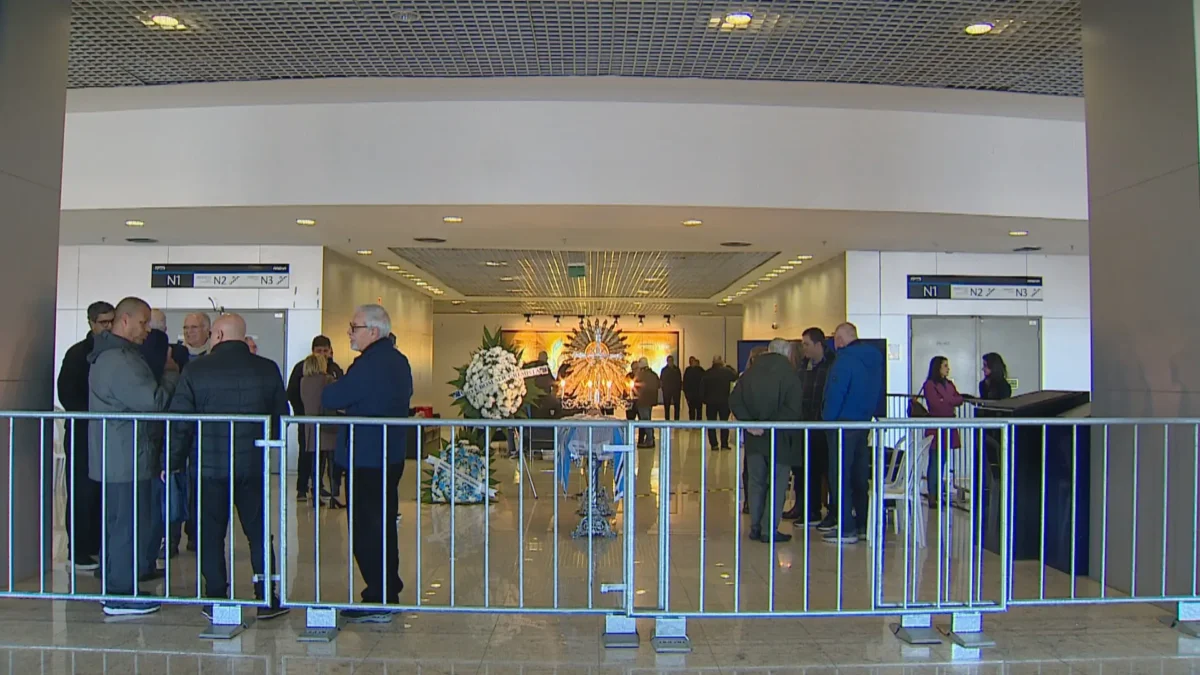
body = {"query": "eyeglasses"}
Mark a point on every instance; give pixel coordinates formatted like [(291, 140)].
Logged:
[(104, 322), (354, 327)]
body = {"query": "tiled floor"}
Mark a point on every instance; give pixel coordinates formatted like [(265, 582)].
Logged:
[(512, 554)]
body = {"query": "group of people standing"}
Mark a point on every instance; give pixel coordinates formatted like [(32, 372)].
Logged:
[(706, 393), (121, 467)]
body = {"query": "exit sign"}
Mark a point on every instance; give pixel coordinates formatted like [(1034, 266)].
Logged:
[(576, 270)]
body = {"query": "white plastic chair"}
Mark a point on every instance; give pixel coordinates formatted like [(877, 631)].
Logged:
[(901, 480)]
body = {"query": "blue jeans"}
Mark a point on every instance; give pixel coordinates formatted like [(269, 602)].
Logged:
[(848, 492)]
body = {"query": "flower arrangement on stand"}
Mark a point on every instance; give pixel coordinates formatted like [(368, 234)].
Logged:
[(491, 386)]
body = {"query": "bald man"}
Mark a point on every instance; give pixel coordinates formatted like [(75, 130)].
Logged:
[(853, 393), (229, 381)]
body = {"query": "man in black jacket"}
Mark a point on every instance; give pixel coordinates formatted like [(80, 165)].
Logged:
[(671, 381), (692, 384), (814, 371), (84, 506), (229, 381), (714, 391), (306, 461)]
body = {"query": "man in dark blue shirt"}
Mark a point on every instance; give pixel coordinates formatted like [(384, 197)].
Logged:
[(378, 384)]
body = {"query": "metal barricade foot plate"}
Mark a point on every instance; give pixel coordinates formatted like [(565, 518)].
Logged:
[(670, 636), (620, 632), (320, 625), (226, 623), (966, 630), (916, 629)]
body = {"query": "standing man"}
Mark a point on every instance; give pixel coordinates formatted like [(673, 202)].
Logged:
[(814, 373), (768, 391), (378, 384), (647, 386), (122, 454), (197, 330), (306, 462), (229, 381), (714, 391), (83, 507), (852, 395), (672, 387), (157, 349), (692, 387)]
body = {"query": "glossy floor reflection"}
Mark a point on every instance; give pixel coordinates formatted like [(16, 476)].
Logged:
[(519, 552)]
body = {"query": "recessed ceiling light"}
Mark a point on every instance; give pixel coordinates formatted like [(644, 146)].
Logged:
[(693, 223), (740, 293), (735, 244), (722, 304), (393, 268), (981, 28), (364, 251), (305, 222), (508, 279), (653, 280), (643, 292), (429, 240), (706, 313), (458, 302), (788, 267), (496, 263), (134, 223), (1019, 233), (772, 275), (452, 220), (739, 19), (422, 283), (751, 286), (164, 21), (473, 311)]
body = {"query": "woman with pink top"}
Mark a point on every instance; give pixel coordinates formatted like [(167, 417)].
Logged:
[(942, 399)]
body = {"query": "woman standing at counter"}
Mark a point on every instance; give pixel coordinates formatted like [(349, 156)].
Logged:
[(942, 400)]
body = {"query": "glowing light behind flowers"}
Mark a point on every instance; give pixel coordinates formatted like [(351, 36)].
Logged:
[(596, 367)]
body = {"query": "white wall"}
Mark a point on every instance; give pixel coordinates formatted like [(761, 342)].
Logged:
[(348, 285), (877, 302), (458, 335), (90, 273), (813, 297), (586, 152)]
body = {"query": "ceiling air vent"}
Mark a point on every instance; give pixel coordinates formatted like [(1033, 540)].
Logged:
[(1027, 249), (141, 240)]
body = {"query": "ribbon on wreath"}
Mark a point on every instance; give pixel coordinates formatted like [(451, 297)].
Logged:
[(523, 374)]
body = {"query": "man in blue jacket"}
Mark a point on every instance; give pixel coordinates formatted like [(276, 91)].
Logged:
[(851, 395), (378, 384)]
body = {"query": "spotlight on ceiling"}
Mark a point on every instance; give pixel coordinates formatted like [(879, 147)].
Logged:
[(581, 317), (739, 19), (981, 28), (616, 319), (528, 319), (557, 320), (641, 319), (667, 318)]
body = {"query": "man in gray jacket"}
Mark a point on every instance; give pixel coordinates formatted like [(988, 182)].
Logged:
[(122, 454)]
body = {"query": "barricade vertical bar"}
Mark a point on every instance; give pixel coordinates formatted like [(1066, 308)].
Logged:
[(620, 630), (521, 468), (316, 524), (737, 523), (1195, 506), (1074, 488), (1134, 538), (454, 502), (268, 559), (807, 501), (283, 511), (665, 498), (417, 482), (1042, 538), (590, 497), (556, 528), (230, 528), (11, 422), (226, 618), (670, 633), (103, 507), (703, 514), (771, 510), (1104, 520), (167, 525), (137, 543), (41, 505), (842, 497), (199, 528), (487, 523), (389, 529), (72, 497), (350, 496), (1166, 490), (938, 515)]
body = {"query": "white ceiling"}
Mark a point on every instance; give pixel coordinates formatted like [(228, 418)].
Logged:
[(496, 232)]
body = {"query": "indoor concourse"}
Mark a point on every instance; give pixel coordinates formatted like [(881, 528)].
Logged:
[(990, 198)]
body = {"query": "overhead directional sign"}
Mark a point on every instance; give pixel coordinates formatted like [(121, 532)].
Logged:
[(220, 275), (942, 287)]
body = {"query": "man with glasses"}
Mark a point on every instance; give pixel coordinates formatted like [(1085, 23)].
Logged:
[(378, 384), (84, 505)]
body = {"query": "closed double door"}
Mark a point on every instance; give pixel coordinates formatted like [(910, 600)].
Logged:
[(965, 339)]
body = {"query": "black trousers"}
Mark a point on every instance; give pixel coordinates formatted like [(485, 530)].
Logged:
[(214, 521), (129, 535), (84, 506), (304, 461), (848, 491), (818, 471), (670, 399), (371, 496), (695, 409), (717, 412)]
